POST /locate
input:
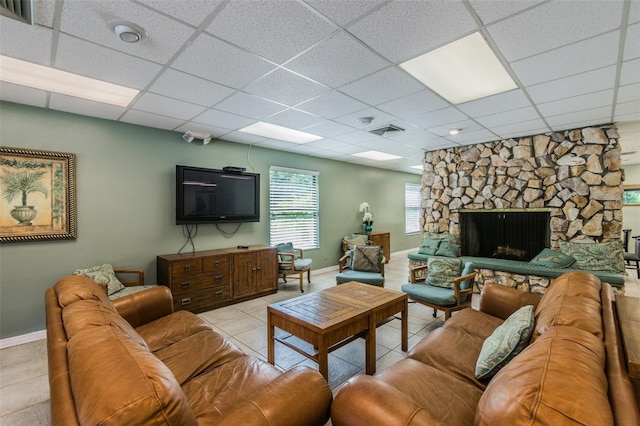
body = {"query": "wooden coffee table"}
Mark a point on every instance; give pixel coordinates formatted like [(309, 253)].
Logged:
[(329, 319)]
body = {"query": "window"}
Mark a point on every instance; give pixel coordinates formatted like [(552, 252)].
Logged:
[(412, 209), (293, 207)]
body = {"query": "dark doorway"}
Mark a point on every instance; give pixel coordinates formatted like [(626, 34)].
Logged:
[(513, 235)]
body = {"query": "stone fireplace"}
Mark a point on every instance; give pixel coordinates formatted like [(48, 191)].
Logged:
[(573, 175)]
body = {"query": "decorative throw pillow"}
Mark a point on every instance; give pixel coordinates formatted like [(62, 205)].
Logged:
[(448, 249), (443, 236), (552, 259), (366, 258), (102, 274), (595, 256), (441, 271), (506, 341), (358, 240), (285, 249), (429, 247)]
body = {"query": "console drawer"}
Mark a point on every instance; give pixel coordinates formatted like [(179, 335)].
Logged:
[(182, 268), (188, 284), (217, 264), (203, 300)]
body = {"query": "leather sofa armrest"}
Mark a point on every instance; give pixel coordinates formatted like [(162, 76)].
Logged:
[(366, 401), (145, 306), (300, 396), (501, 301)]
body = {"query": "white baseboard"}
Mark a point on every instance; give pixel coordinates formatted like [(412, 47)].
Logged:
[(22, 339)]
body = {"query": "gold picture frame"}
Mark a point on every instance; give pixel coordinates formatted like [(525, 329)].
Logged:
[(37, 195), (631, 195)]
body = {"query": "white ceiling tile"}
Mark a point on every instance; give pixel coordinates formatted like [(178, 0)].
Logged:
[(217, 118), (402, 30), (85, 107), (157, 104), (600, 79), (512, 99), (26, 42), (241, 137), (343, 12), (467, 126), (294, 119), (192, 11), (286, 87), (629, 93), (546, 27), (250, 106), (514, 116), (218, 61), (22, 95), (379, 118), (331, 104), (44, 11), (437, 118), (325, 144), (94, 61), (276, 30), (328, 129), (630, 72), (536, 131), (356, 137), (414, 104), (634, 12), (472, 136), (632, 42), (90, 20), (276, 144), (383, 86), (491, 11), (580, 118), (216, 132), (627, 108), (577, 103), (150, 120), (523, 127), (337, 61), (196, 90), (411, 135), (627, 118), (574, 59)]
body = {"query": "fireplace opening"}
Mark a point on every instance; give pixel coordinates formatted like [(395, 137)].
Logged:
[(515, 235)]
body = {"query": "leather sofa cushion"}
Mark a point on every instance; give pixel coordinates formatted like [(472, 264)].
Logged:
[(122, 382), (559, 380), (572, 299), (445, 399), (215, 393), (169, 329), (196, 354), (74, 288), (475, 323)]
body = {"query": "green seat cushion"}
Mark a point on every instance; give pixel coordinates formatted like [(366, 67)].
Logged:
[(437, 295), (302, 264), (552, 259), (418, 256), (506, 341), (372, 278)]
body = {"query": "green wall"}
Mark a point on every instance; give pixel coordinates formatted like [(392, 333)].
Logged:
[(126, 203), (631, 214)]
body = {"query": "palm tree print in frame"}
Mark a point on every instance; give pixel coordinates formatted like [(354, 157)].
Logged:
[(37, 195)]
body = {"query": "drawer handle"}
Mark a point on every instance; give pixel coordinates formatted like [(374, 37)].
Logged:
[(186, 301), (219, 293), (185, 285), (258, 269), (216, 263), (187, 268), (218, 277)]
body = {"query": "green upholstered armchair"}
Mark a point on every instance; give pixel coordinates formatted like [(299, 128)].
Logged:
[(291, 261), (447, 286), (364, 264)]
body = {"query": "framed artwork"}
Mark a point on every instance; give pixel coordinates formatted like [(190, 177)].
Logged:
[(37, 195), (631, 195)]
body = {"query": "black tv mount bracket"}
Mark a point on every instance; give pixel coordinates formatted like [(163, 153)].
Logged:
[(234, 169)]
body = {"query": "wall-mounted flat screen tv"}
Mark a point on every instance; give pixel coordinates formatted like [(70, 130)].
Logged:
[(216, 196)]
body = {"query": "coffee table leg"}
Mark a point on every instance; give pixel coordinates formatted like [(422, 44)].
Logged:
[(271, 355), (323, 359), (405, 326), (370, 347)]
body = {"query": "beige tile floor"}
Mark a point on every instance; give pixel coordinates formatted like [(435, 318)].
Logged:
[(24, 388)]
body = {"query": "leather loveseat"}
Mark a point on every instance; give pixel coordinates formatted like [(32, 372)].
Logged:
[(134, 361), (572, 371)]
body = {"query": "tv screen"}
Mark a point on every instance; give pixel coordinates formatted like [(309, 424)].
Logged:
[(215, 196)]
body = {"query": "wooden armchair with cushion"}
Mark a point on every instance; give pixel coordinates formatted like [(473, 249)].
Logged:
[(291, 261), (364, 264), (448, 285)]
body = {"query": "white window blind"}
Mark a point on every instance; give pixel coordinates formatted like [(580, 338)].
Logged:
[(412, 209), (293, 207)]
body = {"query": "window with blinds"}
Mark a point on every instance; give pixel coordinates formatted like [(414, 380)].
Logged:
[(293, 207), (411, 208)]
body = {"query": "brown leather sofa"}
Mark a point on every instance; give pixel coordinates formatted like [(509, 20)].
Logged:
[(134, 361), (572, 372)]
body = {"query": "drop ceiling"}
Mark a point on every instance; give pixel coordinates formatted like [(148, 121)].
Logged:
[(320, 65)]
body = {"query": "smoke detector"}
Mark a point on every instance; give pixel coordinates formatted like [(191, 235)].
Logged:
[(365, 120), (128, 31), (386, 129)]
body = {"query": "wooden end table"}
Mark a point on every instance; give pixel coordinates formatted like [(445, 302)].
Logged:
[(330, 318)]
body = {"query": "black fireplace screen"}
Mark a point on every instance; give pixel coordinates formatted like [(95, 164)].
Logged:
[(506, 235)]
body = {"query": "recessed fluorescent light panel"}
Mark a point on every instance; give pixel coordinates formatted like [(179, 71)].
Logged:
[(376, 155), (462, 71), (274, 131), (53, 80)]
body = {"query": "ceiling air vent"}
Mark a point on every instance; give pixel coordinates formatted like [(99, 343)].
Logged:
[(386, 129), (20, 10)]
